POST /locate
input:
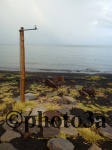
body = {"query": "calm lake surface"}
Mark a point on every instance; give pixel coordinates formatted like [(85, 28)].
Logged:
[(90, 59)]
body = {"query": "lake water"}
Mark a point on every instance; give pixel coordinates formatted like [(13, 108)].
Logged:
[(90, 59)]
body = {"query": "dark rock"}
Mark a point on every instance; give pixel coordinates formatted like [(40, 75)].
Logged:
[(83, 93), (59, 144), (27, 135), (89, 90), (59, 79), (50, 83), (51, 114), (60, 83), (50, 132)]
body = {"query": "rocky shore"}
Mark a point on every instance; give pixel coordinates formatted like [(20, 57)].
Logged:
[(76, 111)]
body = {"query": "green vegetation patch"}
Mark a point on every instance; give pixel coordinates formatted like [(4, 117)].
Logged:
[(94, 78), (90, 136)]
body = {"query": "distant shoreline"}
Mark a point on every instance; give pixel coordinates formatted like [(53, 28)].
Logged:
[(87, 71), (68, 75)]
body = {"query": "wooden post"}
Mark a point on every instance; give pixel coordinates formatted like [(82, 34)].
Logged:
[(22, 66)]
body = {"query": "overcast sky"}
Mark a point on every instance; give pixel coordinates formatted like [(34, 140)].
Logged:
[(75, 22)]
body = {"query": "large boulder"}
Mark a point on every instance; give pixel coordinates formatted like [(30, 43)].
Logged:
[(9, 135), (50, 132), (7, 146)]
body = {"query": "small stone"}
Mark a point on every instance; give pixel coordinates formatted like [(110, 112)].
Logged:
[(69, 99), (28, 109), (72, 81), (64, 111), (50, 132), (27, 135), (83, 93), (51, 114), (70, 131), (73, 103), (89, 90), (62, 101), (94, 147), (35, 110), (28, 96), (21, 128), (7, 146), (59, 79), (9, 135), (106, 132), (59, 144)]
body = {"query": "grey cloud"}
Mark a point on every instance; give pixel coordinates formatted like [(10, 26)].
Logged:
[(58, 21)]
